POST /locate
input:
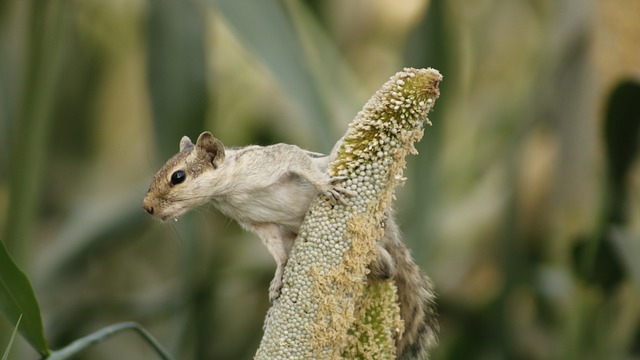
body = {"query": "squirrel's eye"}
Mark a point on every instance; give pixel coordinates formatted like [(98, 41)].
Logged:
[(178, 177)]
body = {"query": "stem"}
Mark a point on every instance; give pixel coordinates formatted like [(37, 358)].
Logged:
[(103, 334)]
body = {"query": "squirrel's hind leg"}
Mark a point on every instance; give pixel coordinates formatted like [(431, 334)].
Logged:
[(278, 242), (382, 267)]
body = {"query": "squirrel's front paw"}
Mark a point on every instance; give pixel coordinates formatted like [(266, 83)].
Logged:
[(335, 192), (275, 289)]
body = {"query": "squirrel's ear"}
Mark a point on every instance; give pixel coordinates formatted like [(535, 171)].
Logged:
[(185, 143), (210, 149)]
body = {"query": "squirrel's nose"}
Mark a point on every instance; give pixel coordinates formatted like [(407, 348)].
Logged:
[(148, 209)]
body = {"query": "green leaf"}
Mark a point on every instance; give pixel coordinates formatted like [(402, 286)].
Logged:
[(18, 299)]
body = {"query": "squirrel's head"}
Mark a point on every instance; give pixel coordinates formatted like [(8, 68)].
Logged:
[(178, 186)]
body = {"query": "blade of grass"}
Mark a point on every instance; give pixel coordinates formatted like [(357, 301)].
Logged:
[(176, 66), (105, 333), (29, 146), (269, 33), (13, 336), (341, 91)]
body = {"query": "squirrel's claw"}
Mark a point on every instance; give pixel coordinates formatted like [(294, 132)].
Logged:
[(335, 192), (275, 289)]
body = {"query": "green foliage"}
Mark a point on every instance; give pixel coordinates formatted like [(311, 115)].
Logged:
[(17, 301)]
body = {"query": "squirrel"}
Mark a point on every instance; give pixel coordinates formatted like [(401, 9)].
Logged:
[(268, 190)]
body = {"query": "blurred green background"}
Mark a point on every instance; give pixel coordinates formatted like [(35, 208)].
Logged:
[(523, 205)]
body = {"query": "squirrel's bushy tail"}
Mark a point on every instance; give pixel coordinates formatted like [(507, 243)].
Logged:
[(416, 298)]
